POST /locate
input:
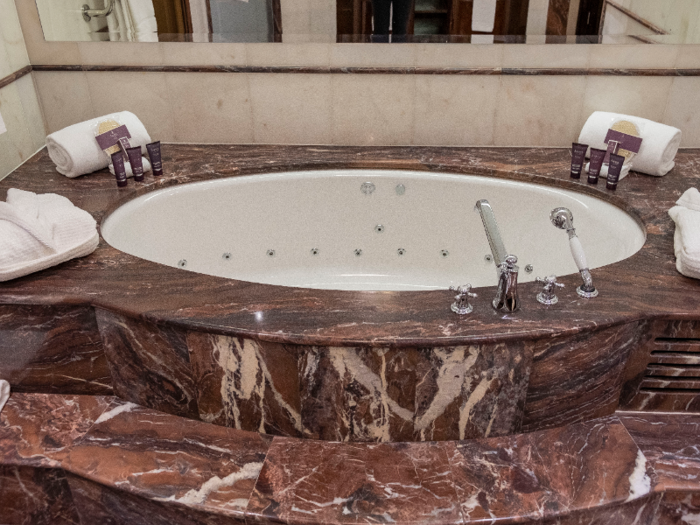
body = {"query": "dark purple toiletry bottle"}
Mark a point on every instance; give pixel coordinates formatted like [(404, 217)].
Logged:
[(136, 162), (578, 155), (597, 156), (119, 168), (614, 170), (154, 154)]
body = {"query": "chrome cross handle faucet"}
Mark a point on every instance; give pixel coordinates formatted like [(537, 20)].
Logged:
[(507, 294), (461, 305), (564, 220), (547, 295)]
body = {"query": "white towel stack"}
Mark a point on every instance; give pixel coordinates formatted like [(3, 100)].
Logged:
[(659, 142), (686, 239), (40, 231), (75, 151), (4, 393)]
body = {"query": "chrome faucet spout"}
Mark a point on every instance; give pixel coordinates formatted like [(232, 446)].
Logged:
[(507, 293), (498, 250)]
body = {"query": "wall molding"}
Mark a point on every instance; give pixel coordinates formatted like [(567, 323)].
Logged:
[(323, 70), (13, 77)]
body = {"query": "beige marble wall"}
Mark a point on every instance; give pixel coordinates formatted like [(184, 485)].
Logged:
[(362, 109), (19, 104)]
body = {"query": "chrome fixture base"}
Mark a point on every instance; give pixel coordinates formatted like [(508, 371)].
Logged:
[(547, 300), (587, 295), (547, 296), (461, 305)]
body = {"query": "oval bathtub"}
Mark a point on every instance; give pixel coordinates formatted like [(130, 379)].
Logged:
[(364, 229)]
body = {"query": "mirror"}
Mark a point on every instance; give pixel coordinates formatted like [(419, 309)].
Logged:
[(397, 21)]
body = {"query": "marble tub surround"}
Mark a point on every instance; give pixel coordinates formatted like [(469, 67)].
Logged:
[(128, 461), (362, 366), (115, 281), (52, 348)]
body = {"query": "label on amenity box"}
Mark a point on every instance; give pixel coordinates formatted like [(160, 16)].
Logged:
[(3, 129), (114, 136), (625, 141)]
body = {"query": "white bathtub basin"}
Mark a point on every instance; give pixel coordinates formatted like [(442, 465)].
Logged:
[(303, 229)]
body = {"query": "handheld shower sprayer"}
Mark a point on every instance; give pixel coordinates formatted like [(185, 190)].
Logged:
[(564, 220)]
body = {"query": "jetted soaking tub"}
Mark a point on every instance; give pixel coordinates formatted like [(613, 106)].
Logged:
[(364, 229)]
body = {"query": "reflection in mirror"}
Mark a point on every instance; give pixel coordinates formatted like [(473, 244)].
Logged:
[(454, 21), (161, 20)]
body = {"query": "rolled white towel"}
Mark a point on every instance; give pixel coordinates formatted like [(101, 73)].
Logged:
[(146, 167), (75, 151), (4, 393), (690, 199), (40, 231), (659, 142), (483, 15)]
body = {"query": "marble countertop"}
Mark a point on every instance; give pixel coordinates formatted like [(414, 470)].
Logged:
[(644, 286)]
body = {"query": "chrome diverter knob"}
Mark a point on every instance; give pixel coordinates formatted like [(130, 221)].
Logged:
[(461, 305)]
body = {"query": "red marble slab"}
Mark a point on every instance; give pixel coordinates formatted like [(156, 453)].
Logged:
[(499, 478), (582, 377), (150, 364), (39, 429), (246, 384), (168, 459), (97, 504), (594, 461), (35, 496), (307, 482), (638, 512), (678, 508), (557, 472), (671, 444), (52, 349)]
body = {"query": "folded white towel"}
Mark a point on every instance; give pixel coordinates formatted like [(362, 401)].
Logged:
[(4, 393), (75, 151), (659, 142), (686, 239), (690, 199), (483, 15), (40, 231), (127, 165)]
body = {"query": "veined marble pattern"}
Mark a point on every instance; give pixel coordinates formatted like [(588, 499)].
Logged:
[(150, 365), (99, 504), (149, 453), (679, 508), (115, 462), (534, 476), (671, 443), (581, 377), (37, 429), (244, 384), (360, 393), (52, 349), (35, 496)]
